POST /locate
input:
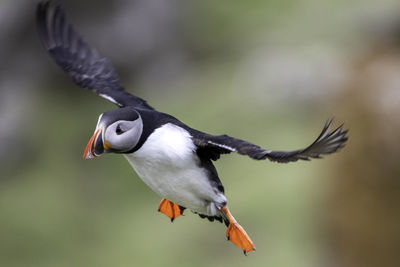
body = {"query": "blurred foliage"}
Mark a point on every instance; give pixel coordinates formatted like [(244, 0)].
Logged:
[(270, 72)]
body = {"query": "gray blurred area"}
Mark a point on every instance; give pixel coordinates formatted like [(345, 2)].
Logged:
[(270, 72)]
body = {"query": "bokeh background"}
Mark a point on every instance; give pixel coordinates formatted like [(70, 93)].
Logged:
[(271, 72)]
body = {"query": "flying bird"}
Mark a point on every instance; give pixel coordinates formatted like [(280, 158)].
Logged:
[(173, 159)]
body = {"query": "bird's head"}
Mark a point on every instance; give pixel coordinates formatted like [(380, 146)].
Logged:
[(117, 131)]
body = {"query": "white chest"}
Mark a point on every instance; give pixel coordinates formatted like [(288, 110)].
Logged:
[(168, 164)]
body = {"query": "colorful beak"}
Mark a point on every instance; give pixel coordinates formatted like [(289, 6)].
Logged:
[(95, 146)]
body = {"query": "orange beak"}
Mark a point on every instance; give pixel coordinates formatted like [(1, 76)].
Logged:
[(89, 150)]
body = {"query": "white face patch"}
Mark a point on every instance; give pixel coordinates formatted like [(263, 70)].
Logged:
[(123, 135)]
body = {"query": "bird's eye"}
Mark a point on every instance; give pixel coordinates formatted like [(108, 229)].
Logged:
[(119, 131)]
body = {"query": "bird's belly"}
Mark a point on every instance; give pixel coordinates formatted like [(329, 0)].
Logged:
[(168, 164), (189, 188)]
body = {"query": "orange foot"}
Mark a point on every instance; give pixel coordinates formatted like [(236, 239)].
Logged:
[(171, 209), (236, 234)]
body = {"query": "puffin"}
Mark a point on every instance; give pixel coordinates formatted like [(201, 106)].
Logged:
[(173, 159)]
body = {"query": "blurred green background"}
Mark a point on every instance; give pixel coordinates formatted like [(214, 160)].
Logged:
[(270, 72)]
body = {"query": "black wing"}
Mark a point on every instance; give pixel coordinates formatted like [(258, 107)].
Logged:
[(327, 142), (77, 58)]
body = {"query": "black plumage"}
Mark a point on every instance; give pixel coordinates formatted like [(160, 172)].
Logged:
[(79, 60), (326, 143)]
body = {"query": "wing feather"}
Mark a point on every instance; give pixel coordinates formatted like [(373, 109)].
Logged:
[(78, 59), (327, 142)]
